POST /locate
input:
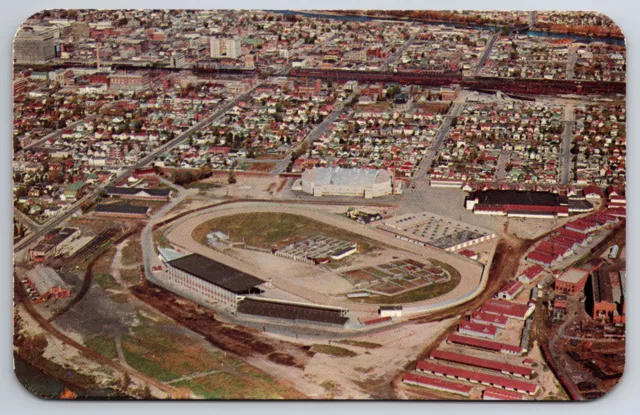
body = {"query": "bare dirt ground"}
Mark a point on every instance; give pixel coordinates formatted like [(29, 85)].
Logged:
[(369, 374)]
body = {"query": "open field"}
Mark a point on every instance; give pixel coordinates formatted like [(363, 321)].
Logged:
[(103, 344), (266, 229)]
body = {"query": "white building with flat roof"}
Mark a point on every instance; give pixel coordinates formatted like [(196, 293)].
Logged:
[(225, 47), (324, 181)]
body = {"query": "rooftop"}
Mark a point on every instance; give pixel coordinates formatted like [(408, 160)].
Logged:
[(216, 273)]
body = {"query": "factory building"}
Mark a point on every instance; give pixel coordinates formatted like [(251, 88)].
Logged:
[(47, 283), (605, 296), (325, 181), (572, 281)]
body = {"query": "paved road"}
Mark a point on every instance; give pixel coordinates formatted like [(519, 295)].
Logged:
[(56, 133), (55, 221), (398, 53), (485, 55), (26, 220), (571, 62), (426, 163), (316, 132), (502, 164), (565, 149)]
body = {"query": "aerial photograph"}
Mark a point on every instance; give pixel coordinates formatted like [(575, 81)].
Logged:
[(319, 205)]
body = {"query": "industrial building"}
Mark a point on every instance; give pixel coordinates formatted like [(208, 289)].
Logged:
[(572, 281), (52, 242), (47, 283), (605, 296), (34, 47), (210, 281), (122, 81), (521, 204), (335, 181)]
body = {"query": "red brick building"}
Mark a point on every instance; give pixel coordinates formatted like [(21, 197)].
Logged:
[(572, 281)]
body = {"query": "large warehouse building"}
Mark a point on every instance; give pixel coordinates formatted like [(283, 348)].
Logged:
[(210, 281), (514, 203), (325, 181)]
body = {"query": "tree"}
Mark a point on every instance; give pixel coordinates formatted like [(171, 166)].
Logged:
[(231, 178)]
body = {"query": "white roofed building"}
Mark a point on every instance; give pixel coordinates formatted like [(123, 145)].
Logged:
[(324, 181)]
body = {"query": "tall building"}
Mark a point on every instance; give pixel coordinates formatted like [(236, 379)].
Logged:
[(32, 47), (177, 60), (225, 47)]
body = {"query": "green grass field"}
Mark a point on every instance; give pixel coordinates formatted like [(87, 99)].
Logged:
[(265, 229), (103, 344), (106, 281)]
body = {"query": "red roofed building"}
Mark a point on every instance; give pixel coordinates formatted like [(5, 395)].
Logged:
[(493, 394), (475, 377), (437, 384), (531, 274), (509, 309), (484, 344), (540, 258), (505, 368), (593, 192), (511, 290), (497, 320), (478, 330), (572, 281)]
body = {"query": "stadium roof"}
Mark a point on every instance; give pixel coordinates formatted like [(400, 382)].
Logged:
[(216, 273), (346, 177)]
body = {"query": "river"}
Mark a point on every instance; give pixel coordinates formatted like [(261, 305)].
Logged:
[(47, 386)]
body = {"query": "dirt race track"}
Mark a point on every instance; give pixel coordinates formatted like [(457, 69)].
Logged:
[(282, 271)]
